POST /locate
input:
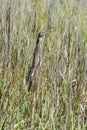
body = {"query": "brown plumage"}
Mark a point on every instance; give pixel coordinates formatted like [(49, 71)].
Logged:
[(36, 60)]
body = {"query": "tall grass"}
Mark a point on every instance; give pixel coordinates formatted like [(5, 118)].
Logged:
[(60, 101)]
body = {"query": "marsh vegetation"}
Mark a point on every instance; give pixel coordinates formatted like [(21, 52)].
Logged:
[(60, 100)]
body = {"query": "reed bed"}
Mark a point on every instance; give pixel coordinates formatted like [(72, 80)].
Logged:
[(60, 101)]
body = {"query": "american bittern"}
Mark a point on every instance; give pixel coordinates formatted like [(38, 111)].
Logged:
[(36, 61)]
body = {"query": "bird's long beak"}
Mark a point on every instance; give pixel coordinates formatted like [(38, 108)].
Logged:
[(48, 30)]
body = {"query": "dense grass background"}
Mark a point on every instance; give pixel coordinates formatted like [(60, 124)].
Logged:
[(60, 101)]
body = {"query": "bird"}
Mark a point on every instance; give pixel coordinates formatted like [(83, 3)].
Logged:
[(36, 60)]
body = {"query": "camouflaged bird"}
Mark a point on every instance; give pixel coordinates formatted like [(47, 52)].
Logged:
[(36, 60)]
